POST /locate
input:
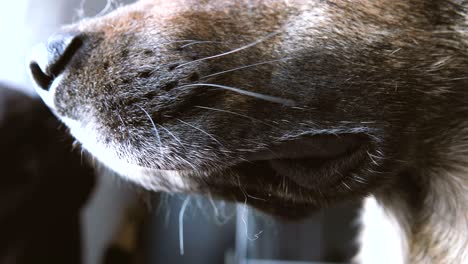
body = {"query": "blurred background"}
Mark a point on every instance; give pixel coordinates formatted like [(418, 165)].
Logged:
[(157, 228)]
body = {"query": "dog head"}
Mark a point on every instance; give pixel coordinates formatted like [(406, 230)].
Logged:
[(289, 105)]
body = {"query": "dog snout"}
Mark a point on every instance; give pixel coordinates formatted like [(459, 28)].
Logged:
[(50, 60)]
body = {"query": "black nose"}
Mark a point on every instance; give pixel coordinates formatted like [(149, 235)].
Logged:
[(56, 56)]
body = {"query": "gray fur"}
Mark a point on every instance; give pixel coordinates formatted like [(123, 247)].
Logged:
[(387, 79)]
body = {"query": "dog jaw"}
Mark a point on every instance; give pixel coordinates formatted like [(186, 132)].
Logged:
[(387, 70), (120, 161)]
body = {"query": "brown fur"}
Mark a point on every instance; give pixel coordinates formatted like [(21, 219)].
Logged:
[(288, 105)]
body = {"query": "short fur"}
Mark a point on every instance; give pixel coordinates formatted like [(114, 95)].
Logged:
[(290, 105)]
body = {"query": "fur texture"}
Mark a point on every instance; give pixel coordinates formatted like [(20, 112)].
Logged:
[(290, 105)]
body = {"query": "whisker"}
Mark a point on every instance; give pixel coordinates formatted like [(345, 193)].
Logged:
[(80, 11), (179, 41), (232, 51), (120, 118), (236, 114), (200, 42), (107, 8), (346, 185), (173, 136), (219, 217), (181, 144), (371, 157), (181, 224), (244, 67), (245, 193), (201, 130), (264, 97), (358, 179), (255, 198), (244, 215), (215, 208), (156, 131)]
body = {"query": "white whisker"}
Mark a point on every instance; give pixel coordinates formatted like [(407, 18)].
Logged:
[(173, 136), (232, 51), (371, 157), (181, 144), (358, 179), (244, 67), (201, 130), (215, 208), (234, 113), (244, 220), (346, 185), (181, 224), (268, 98), (179, 41), (199, 42), (80, 11), (121, 119), (106, 8), (220, 219), (244, 214), (255, 198), (156, 131)]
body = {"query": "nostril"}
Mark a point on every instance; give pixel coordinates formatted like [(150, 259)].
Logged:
[(59, 50), (42, 79)]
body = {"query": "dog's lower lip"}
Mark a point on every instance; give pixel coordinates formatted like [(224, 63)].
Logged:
[(264, 181), (319, 161), (326, 146)]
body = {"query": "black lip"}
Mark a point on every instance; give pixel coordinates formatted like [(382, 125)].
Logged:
[(323, 146), (325, 162), (250, 182), (43, 80), (316, 162)]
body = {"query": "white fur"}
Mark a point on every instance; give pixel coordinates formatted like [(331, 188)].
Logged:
[(382, 239), (107, 155)]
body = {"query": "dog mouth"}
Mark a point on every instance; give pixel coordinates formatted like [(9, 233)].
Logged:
[(317, 161), (296, 177)]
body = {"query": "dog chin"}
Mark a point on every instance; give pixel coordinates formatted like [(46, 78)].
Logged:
[(148, 178), (296, 178), (284, 180)]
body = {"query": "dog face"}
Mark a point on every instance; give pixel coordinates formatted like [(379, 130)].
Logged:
[(288, 105)]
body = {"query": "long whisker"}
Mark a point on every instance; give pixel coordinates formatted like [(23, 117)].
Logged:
[(268, 98), (173, 136), (234, 113), (156, 131), (180, 143), (181, 225), (80, 11), (221, 218), (200, 42), (201, 130), (180, 41), (244, 216), (232, 51), (106, 8), (244, 67)]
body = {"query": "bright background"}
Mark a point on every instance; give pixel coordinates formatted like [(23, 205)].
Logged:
[(23, 24)]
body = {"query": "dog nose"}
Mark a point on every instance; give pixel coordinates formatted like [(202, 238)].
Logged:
[(50, 60)]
